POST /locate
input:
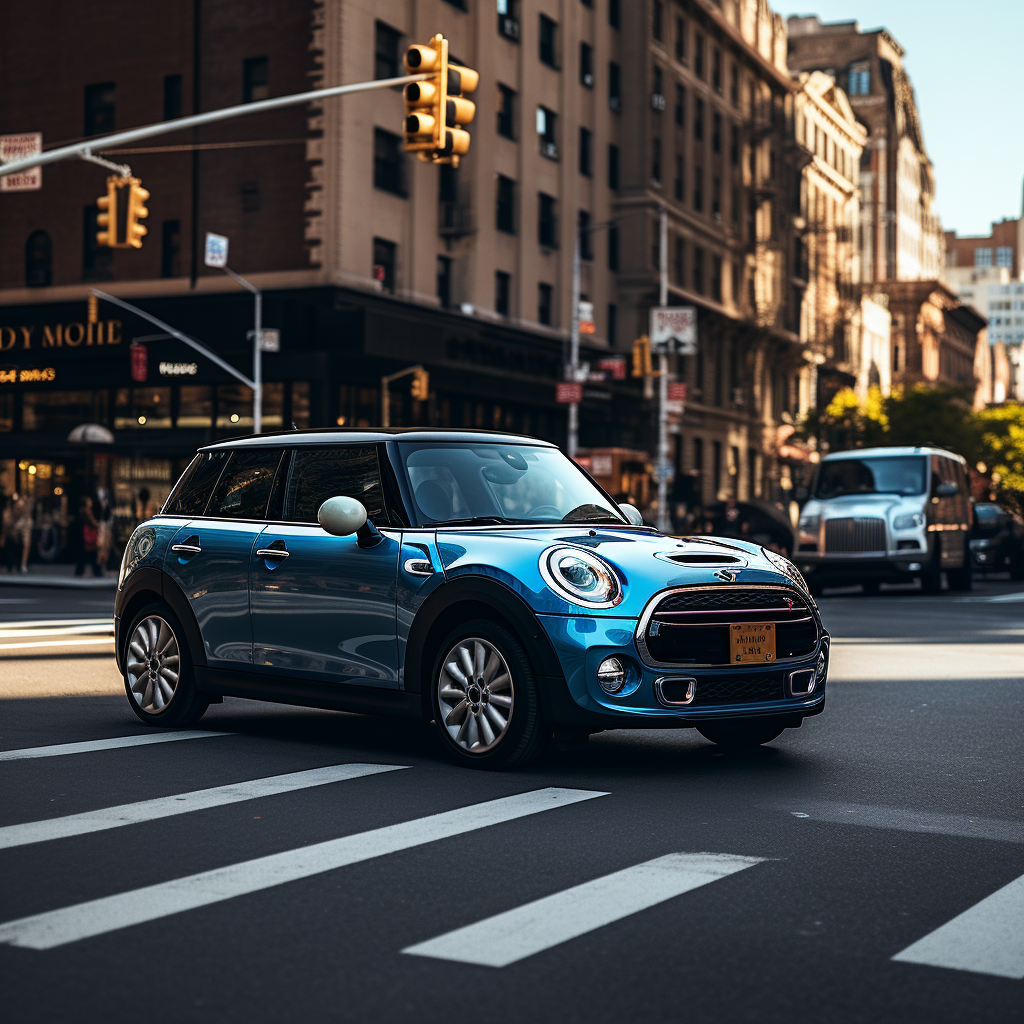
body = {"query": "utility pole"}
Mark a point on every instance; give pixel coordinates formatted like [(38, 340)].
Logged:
[(662, 462), (574, 347)]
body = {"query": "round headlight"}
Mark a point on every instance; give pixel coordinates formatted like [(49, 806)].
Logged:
[(580, 577), (785, 566), (612, 674)]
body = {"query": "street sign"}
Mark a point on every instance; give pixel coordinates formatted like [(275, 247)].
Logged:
[(615, 365), (568, 392), (586, 317), (216, 250), (18, 147), (663, 472), (674, 329)]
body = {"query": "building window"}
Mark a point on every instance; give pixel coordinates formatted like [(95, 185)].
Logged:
[(100, 108), (547, 131), (716, 133), (613, 317), (716, 69), (508, 19), (657, 19), (677, 185), (502, 292), (680, 38), (586, 238), (384, 259), (255, 79), (1004, 256), (716, 278), (734, 146), (613, 247), (615, 13), (444, 281), (698, 54), (172, 97), (983, 257), (859, 79), (388, 163), (388, 42), (586, 65), (613, 168), (734, 84), (506, 111), (698, 189), (547, 223), (698, 119), (586, 152), (548, 41), (250, 192), (170, 248), (677, 262), (96, 259), (506, 218), (716, 197), (680, 105), (658, 89), (656, 162), (698, 270), (614, 86), (38, 260), (544, 303)]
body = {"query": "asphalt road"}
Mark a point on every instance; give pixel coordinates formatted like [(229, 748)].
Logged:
[(861, 868)]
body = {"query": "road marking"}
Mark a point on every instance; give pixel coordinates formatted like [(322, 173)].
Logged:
[(961, 825), (87, 746), (97, 917), (505, 938), (182, 803), (986, 939), (57, 643), (45, 623), (82, 629)]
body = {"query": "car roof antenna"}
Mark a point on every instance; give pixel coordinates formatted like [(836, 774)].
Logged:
[(295, 426)]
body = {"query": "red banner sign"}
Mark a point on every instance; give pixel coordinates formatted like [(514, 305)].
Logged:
[(615, 365), (567, 392), (677, 391), (140, 362)]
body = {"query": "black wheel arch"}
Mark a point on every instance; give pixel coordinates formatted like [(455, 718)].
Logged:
[(145, 586), (475, 597)]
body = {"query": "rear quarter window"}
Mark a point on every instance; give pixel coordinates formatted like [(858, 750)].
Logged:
[(192, 492), (244, 487)]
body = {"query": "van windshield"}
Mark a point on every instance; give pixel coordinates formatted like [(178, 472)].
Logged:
[(903, 475)]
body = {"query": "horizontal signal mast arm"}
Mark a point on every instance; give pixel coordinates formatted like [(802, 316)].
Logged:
[(194, 120)]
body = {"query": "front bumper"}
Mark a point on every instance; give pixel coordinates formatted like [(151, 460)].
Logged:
[(895, 568), (582, 643)]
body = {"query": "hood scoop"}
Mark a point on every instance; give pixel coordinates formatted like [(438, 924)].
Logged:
[(700, 559)]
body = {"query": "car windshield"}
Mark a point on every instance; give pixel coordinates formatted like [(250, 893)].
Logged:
[(491, 484), (904, 475)]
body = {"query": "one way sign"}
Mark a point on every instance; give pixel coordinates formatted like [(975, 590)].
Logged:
[(674, 329)]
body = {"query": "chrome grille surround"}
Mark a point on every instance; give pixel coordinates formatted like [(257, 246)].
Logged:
[(855, 536), (770, 602)]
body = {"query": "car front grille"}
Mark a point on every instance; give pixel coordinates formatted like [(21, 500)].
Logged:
[(711, 690), (854, 536), (691, 627)]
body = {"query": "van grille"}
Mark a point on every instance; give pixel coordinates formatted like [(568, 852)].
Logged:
[(847, 536)]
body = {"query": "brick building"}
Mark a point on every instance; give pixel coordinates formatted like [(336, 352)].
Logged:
[(1002, 247)]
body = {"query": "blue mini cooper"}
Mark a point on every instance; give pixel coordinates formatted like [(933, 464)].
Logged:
[(478, 580)]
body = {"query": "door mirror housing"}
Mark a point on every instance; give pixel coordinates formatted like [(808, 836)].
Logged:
[(633, 514), (947, 489), (341, 517)]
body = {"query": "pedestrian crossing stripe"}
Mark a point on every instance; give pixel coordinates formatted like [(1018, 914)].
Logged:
[(88, 746)]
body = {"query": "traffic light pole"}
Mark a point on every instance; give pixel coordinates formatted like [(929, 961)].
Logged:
[(574, 348), (663, 520), (385, 383)]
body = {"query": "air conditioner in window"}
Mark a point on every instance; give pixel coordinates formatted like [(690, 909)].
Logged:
[(657, 101), (549, 149), (615, 103), (588, 80), (508, 26)]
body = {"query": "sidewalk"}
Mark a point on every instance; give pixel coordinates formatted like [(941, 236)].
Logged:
[(56, 576)]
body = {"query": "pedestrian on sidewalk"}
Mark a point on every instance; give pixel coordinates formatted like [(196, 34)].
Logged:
[(22, 528), (87, 538)]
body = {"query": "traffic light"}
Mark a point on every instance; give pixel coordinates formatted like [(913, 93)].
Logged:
[(642, 366), (92, 309), (421, 385), (121, 209), (435, 109), (137, 211)]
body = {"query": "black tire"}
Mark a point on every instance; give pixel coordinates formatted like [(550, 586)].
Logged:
[(931, 576), (741, 735), (186, 705), (870, 587), (524, 736), (962, 579)]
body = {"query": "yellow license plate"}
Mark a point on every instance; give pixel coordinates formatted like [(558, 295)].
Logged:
[(751, 642)]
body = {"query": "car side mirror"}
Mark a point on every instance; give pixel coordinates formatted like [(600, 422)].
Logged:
[(342, 517), (633, 514), (947, 489)]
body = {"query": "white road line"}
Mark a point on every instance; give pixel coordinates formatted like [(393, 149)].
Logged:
[(87, 746), (44, 623), (961, 825), (82, 630), (182, 803), (505, 938), (69, 924), (987, 939), (58, 643)]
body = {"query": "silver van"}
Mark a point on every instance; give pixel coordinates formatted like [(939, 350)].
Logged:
[(887, 515)]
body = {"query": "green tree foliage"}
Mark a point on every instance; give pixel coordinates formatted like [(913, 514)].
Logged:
[(1002, 444)]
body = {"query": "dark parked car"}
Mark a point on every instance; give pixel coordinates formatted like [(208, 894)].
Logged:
[(997, 541)]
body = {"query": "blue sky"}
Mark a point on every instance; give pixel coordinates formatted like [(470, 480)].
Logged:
[(965, 61)]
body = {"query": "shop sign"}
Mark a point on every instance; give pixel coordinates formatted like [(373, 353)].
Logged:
[(567, 392), (28, 375), (615, 365), (17, 147), (27, 338), (139, 361), (179, 369)]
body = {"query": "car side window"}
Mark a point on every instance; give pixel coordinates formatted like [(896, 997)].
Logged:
[(244, 486), (192, 492), (317, 474)]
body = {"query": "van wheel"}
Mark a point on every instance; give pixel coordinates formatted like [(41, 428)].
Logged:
[(962, 578), (931, 577), (741, 735), (484, 698), (158, 676)]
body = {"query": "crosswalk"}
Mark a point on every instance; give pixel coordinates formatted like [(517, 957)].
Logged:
[(986, 938), (95, 633)]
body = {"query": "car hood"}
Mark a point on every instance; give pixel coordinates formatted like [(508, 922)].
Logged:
[(645, 561), (861, 505)]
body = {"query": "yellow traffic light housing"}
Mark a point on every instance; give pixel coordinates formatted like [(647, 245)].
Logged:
[(436, 108), (121, 209), (421, 385), (642, 365)]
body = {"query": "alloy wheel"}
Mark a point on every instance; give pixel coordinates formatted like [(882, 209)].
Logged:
[(153, 664), (475, 695)]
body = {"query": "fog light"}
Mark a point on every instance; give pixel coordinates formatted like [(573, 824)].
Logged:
[(612, 675)]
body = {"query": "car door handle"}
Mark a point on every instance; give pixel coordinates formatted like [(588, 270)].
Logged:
[(273, 553), (186, 549)]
